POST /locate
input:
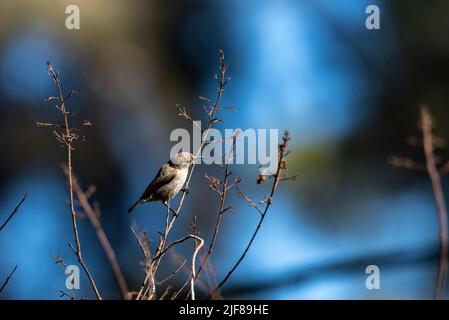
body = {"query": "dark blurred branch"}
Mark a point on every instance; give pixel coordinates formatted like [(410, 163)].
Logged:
[(7, 279), (406, 163), (429, 144), (299, 275), (13, 212), (426, 122), (249, 201), (101, 235)]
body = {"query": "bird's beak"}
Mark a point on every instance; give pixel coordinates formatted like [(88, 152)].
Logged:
[(196, 157)]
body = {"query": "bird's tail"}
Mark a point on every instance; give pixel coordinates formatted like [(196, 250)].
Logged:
[(138, 203)]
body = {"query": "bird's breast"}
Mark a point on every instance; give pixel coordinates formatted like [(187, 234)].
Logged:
[(179, 180)]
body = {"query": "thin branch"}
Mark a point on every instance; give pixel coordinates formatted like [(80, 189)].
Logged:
[(7, 279), (68, 137), (166, 292), (13, 212), (195, 253), (183, 114), (249, 201), (222, 209), (281, 166), (171, 275), (174, 243), (177, 293), (141, 245)]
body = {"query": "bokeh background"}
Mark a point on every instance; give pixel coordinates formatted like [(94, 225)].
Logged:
[(348, 95)]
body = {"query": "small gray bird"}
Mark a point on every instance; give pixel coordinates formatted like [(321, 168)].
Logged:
[(168, 181)]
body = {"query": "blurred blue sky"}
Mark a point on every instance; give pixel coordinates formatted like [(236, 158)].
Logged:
[(35, 234), (22, 75), (292, 69)]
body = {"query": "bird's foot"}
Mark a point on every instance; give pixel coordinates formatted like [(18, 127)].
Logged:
[(186, 190)]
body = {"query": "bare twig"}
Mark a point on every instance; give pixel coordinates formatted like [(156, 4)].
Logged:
[(195, 253), (183, 114), (166, 292), (64, 267), (222, 208), (177, 293), (7, 279), (145, 253), (249, 201), (68, 136), (277, 178), (13, 212)]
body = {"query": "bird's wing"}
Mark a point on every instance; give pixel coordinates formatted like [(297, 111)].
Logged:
[(163, 177)]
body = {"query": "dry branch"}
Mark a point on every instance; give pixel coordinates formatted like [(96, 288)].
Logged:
[(278, 176), (67, 137), (221, 187)]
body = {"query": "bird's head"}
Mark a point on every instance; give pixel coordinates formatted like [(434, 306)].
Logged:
[(182, 159)]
